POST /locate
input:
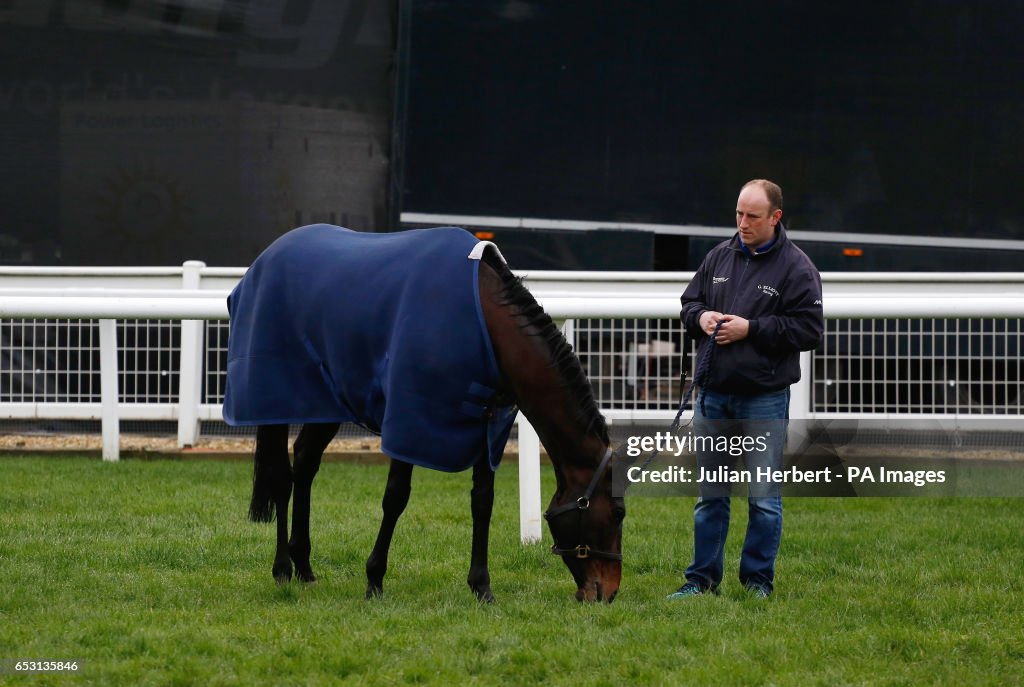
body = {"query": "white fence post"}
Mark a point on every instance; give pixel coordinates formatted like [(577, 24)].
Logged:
[(529, 468), (111, 426), (800, 399), (569, 331), (529, 482), (190, 374), (800, 404)]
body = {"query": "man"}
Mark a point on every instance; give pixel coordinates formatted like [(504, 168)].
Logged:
[(760, 296)]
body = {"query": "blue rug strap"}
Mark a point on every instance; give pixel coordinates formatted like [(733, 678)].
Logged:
[(480, 401)]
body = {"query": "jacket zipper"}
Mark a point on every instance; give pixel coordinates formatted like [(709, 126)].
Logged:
[(739, 286)]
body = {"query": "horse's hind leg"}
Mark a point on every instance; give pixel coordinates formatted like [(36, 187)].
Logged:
[(309, 449), (481, 503), (396, 497), (271, 489)]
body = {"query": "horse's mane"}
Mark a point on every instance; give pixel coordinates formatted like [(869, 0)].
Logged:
[(563, 358)]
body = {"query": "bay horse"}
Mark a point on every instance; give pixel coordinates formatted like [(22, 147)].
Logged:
[(297, 356)]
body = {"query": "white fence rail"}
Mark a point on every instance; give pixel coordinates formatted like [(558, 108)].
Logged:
[(194, 293)]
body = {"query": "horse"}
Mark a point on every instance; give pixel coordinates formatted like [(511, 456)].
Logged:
[(300, 352)]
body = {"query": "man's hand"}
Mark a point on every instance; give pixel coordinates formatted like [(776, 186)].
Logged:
[(708, 320), (734, 328)]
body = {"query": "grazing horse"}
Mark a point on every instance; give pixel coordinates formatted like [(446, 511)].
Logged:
[(427, 338)]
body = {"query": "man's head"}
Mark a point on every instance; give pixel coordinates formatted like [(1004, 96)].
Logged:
[(758, 210)]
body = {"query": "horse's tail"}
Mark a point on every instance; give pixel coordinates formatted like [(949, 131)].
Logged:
[(271, 471)]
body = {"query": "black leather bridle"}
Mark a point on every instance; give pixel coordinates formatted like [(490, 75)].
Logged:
[(581, 507)]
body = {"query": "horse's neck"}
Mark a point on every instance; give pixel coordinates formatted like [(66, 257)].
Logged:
[(534, 380), (567, 439)]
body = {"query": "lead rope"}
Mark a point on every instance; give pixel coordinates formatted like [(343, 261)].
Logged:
[(704, 361), (699, 373), (700, 370)]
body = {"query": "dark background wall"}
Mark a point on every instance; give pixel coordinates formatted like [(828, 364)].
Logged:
[(886, 117), (153, 131)]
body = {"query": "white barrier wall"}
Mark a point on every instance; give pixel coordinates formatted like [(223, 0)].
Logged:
[(195, 293)]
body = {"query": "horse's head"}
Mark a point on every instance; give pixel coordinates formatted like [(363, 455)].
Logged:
[(586, 523)]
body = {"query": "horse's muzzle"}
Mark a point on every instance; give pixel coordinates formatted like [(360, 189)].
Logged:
[(596, 590)]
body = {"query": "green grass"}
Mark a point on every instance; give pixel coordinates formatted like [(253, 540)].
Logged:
[(149, 573)]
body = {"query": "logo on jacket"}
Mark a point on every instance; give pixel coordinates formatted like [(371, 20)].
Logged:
[(768, 290), (719, 280)]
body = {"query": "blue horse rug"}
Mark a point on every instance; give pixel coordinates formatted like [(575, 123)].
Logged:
[(384, 330)]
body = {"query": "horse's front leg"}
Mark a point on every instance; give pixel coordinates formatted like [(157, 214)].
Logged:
[(309, 449), (396, 497), (481, 504)]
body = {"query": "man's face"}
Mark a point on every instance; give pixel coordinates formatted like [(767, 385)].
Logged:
[(754, 217)]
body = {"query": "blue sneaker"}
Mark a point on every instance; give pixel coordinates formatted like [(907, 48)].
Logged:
[(758, 592), (689, 589)]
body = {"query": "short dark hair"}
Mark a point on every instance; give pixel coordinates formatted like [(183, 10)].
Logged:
[(772, 190)]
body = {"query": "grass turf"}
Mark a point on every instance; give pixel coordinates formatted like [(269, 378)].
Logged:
[(149, 574)]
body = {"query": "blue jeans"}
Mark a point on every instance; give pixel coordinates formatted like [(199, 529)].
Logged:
[(730, 415)]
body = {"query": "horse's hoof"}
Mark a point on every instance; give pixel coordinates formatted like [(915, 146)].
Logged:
[(374, 591), (304, 573), (283, 573), (484, 595)]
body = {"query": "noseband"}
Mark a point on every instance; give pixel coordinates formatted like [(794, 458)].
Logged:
[(582, 508)]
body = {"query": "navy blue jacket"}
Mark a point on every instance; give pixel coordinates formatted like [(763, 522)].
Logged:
[(778, 291)]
